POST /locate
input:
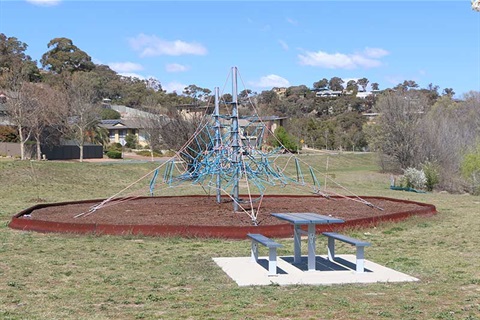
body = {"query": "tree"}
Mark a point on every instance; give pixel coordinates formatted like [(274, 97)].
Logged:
[(352, 86), (471, 169), (152, 122), (65, 56), (375, 86), (20, 106), (400, 115), (320, 84), (12, 56), (196, 93), (406, 85), (134, 91), (154, 84), (284, 139), (432, 93), (363, 82), (110, 84), (448, 92), (31, 108), (244, 96), (300, 91), (335, 84), (83, 107), (46, 109), (227, 98), (107, 113), (178, 132)]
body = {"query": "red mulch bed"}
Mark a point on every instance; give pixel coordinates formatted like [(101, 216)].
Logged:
[(193, 215), (205, 211)]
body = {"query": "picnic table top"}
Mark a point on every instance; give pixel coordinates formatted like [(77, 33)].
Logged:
[(306, 218)]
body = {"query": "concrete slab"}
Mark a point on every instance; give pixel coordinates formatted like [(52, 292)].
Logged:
[(246, 272)]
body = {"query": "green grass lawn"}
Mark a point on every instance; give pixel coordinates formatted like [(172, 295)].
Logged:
[(55, 276)]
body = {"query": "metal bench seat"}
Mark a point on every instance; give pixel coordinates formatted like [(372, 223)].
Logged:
[(272, 250), (359, 244)]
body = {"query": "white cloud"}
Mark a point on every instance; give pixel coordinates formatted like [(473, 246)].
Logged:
[(292, 21), (174, 86), (366, 59), (131, 74), (375, 52), (271, 81), (150, 46), (45, 3), (125, 66), (284, 45), (176, 67)]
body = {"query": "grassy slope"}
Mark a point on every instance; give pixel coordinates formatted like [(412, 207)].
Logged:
[(49, 276)]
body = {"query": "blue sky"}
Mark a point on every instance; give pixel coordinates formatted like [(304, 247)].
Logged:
[(273, 43)]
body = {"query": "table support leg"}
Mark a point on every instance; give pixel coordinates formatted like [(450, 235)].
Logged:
[(272, 262), (311, 247), (254, 254), (297, 244), (331, 249), (360, 259)]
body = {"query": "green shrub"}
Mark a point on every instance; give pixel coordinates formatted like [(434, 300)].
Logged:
[(115, 147), (470, 169), (283, 138), (432, 174), (112, 154), (131, 141)]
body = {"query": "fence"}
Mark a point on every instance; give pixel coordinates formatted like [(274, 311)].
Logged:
[(62, 152)]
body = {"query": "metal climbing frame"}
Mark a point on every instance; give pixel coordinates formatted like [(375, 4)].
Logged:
[(224, 153)]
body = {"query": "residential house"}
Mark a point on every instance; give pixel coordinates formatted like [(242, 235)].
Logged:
[(119, 129), (280, 91)]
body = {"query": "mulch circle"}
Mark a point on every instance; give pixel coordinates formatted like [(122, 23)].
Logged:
[(202, 216)]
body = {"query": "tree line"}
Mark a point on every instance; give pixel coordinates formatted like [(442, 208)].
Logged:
[(414, 127)]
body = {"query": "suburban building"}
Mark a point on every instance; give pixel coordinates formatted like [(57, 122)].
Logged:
[(120, 128), (280, 91)]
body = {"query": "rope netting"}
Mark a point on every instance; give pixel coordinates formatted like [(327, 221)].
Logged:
[(209, 161)]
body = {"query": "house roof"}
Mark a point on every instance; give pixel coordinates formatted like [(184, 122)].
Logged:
[(120, 124)]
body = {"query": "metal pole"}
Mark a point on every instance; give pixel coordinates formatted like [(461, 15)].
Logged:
[(217, 143), (235, 140)]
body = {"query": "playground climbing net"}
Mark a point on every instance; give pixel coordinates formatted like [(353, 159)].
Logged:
[(227, 154)]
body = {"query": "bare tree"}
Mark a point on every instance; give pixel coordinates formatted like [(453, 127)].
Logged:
[(450, 130), (151, 123), (400, 116), (20, 107), (83, 107), (46, 111)]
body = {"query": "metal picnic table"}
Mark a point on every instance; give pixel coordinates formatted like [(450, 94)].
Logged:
[(311, 220)]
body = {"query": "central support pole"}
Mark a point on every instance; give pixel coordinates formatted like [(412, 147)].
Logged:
[(235, 141), (217, 143)]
